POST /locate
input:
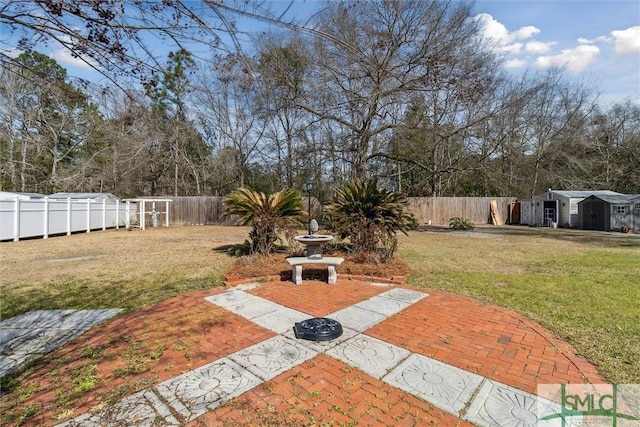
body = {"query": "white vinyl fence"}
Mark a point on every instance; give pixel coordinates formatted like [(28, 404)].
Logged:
[(21, 219)]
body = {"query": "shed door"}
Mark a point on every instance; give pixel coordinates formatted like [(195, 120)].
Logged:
[(525, 213), (550, 212), (593, 215)]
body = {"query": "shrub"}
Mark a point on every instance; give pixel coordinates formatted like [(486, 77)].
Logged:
[(369, 217), (458, 223), (267, 215)]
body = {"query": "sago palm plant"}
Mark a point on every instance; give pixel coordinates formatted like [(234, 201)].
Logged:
[(369, 217), (268, 215)]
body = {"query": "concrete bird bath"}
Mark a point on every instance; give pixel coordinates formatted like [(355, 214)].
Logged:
[(313, 241)]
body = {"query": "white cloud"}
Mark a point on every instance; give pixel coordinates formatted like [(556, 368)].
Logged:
[(515, 63), (599, 39), (526, 32), (64, 57), (627, 41), (503, 40), (575, 60), (537, 47)]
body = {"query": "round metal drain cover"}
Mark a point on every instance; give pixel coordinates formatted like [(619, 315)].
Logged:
[(318, 329)]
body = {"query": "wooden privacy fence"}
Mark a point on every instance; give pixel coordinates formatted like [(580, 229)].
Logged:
[(209, 210), (439, 210)]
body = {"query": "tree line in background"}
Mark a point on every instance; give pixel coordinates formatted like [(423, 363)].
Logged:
[(403, 91)]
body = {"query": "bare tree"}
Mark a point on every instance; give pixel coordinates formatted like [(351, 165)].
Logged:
[(381, 54), (225, 106), (281, 68)]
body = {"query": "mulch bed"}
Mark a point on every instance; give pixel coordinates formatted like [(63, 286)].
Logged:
[(256, 267)]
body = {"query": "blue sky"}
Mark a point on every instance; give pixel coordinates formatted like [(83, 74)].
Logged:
[(598, 41)]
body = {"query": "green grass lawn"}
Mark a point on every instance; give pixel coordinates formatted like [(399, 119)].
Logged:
[(583, 286)]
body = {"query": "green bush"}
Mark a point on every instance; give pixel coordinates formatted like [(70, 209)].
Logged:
[(369, 217), (458, 223), (267, 215)]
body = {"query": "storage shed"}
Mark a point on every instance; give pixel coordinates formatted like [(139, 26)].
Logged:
[(84, 196), (11, 195), (560, 208), (610, 212)]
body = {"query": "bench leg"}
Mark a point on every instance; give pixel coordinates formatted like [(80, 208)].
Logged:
[(297, 274), (332, 274)]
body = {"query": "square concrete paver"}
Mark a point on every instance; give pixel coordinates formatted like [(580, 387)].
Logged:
[(141, 409), (270, 358), (445, 386), (254, 307), (280, 320), (498, 405), (382, 305), (373, 356), (32, 334), (404, 295), (203, 389), (357, 318), (230, 298)]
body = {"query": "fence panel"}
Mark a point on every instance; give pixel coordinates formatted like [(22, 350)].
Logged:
[(199, 210), (209, 210), (21, 219), (43, 217), (439, 210)]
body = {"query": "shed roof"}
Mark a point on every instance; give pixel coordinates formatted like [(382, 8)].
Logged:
[(585, 193), (4, 195), (83, 196), (617, 199)]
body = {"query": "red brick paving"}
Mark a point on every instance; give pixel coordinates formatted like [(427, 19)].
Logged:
[(187, 331), (317, 298), (325, 391), (491, 341)]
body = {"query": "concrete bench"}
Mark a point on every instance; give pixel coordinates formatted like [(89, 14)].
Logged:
[(298, 262)]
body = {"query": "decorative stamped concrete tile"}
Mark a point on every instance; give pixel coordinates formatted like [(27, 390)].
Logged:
[(140, 409), (404, 295), (201, 390), (281, 320), (254, 307), (271, 357), (12, 362), (229, 298), (373, 356), (36, 319), (35, 341), (59, 319), (321, 346), (32, 334), (382, 305), (357, 318), (447, 387), (83, 320), (499, 405), (84, 420)]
